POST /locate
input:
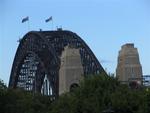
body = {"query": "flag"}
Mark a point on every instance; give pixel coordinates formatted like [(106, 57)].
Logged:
[(49, 19), (25, 19)]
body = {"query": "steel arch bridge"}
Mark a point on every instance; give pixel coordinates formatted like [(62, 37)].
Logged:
[(38, 55)]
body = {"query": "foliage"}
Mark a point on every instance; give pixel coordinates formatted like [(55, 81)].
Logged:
[(18, 101), (2, 85), (98, 93), (95, 94)]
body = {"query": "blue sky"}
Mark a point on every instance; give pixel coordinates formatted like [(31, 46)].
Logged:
[(105, 25)]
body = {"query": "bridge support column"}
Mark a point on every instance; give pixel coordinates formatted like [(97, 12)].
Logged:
[(71, 69)]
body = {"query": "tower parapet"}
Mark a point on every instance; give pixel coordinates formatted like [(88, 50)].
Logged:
[(129, 67), (71, 69)]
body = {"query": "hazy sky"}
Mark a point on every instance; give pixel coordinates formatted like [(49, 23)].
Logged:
[(105, 25)]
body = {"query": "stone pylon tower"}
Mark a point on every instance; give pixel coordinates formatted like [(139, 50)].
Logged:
[(129, 67), (71, 69)]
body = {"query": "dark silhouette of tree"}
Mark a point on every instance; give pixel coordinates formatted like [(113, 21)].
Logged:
[(95, 94)]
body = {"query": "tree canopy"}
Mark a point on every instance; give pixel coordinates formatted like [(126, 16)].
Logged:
[(99, 93), (95, 94)]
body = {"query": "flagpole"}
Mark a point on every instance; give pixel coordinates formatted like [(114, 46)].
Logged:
[(52, 24), (50, 19), (28, 25)]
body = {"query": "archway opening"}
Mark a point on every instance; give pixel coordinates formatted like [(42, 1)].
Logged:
[(73, 87), (46, 88)]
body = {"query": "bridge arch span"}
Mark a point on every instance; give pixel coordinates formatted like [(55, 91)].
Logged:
[(37, 60)]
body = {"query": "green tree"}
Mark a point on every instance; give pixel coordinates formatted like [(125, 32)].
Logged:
[(95, 94), (98, 92), (3, 90), (2, 84)]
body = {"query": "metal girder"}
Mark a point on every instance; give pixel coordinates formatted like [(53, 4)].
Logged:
[(45, 47)]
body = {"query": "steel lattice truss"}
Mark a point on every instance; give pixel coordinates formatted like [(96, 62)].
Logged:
[(38, 54)]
